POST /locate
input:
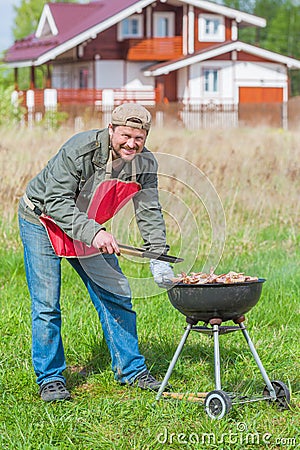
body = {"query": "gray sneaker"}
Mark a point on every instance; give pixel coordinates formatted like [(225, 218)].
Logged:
[(146, 381), (54, 390)]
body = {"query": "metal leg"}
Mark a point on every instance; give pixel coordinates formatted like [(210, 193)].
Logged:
[(258, 361), (174, 360), (217, 357)]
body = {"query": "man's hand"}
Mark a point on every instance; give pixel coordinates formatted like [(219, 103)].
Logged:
[(105, 243), (162, 273)]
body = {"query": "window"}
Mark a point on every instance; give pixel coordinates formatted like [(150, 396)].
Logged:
[(163, 24), (211, 28), (132, 27), (211, 80), (83, 77)]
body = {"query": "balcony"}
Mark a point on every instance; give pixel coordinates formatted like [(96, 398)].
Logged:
[(153, 49), (69, 98)]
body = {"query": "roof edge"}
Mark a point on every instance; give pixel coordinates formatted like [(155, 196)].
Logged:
[(162, 69), (239, 16), (91, 32), (46, 17)]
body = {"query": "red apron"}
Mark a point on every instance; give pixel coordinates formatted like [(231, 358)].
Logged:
[(109, 197)]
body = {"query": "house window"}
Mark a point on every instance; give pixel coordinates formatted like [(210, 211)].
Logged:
[(132, 27), (164, 24), (211, 28), (211, 80), (83, 78)]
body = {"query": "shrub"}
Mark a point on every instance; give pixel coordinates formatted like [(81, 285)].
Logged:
[(11, 112)]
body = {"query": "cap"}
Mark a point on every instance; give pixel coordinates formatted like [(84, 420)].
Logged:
[(131, 115)]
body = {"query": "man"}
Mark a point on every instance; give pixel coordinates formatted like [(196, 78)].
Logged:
[(64, 193)]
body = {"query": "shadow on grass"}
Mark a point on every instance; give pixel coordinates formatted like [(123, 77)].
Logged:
[(194, 356), (77, 375)]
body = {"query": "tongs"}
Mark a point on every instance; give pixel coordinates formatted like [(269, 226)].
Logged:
[(142, 253)]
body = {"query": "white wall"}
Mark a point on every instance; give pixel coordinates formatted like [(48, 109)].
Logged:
[(135, 78), (113, 74), (118, 74), (196, 82), (109, 74), (67, 75), (232, 75)]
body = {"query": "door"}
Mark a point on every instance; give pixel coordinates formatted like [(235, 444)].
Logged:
[(167, 87), (261, 105), (260, 95)]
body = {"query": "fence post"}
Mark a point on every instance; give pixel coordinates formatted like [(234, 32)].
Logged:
[(50, 104), (284, 113), (108, 99), (30, 106)]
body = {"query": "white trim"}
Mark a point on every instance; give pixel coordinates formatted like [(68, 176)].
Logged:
[(218, 72), (209, 54), (148, 22), (170, 16), (209, 37), (191, 27), (140, 33), (76, 40), (285, 93), (239, 16), (46, 17), (27, 63), (184, 31), (234, 31)]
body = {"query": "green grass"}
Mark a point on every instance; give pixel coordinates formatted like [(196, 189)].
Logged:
[(104, 415)]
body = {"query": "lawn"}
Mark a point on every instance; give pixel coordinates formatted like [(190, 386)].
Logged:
[(256, 177)]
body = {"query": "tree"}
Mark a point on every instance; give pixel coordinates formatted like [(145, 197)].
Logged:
[(282, 33), (27, 16)]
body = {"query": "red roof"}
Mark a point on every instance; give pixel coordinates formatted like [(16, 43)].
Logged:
[(71, 19)]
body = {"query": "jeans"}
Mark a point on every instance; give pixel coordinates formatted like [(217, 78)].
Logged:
[(109, 291)]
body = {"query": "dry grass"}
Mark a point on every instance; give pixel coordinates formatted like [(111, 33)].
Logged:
[(253, 167), (253, 170), (23, 153)]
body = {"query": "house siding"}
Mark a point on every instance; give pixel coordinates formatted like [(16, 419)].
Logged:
[(232, 76)]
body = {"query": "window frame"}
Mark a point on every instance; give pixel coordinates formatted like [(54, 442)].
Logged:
[(212, 82), (170, 15), (203, 36), (138, 35)]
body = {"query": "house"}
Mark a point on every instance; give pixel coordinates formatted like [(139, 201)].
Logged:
[(152, 51)]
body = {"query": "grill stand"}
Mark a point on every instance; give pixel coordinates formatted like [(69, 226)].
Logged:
[(274, 391)]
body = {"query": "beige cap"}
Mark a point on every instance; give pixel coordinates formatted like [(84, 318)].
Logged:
[(131, 115)]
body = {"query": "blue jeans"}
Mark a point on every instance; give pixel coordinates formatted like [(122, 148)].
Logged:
[(109, 291)]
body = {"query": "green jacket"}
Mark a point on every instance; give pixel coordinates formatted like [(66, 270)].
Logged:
[(75, 171)]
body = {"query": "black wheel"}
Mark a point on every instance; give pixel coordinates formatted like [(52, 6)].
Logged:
[(282, 392), (217, 404)]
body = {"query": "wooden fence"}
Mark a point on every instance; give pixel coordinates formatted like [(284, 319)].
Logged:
[(93, 103)]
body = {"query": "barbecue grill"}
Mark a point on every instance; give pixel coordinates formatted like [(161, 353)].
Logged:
[(214, 304)]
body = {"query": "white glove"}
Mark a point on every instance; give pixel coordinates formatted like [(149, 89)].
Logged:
[(162, 273)]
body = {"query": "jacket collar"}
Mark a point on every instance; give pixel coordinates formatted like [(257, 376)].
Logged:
[(101, 146)]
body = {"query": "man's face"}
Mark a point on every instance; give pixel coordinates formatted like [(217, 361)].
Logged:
[(126, 142)]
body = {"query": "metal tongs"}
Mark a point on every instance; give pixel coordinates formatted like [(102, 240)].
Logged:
[(142, 253)]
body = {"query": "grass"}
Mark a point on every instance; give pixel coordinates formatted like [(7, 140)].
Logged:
[(262, 238)]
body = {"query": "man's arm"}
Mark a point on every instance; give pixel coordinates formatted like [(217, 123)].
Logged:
[(60, 200)]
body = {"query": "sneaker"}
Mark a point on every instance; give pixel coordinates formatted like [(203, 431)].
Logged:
[(54, 390), (146, 381)]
